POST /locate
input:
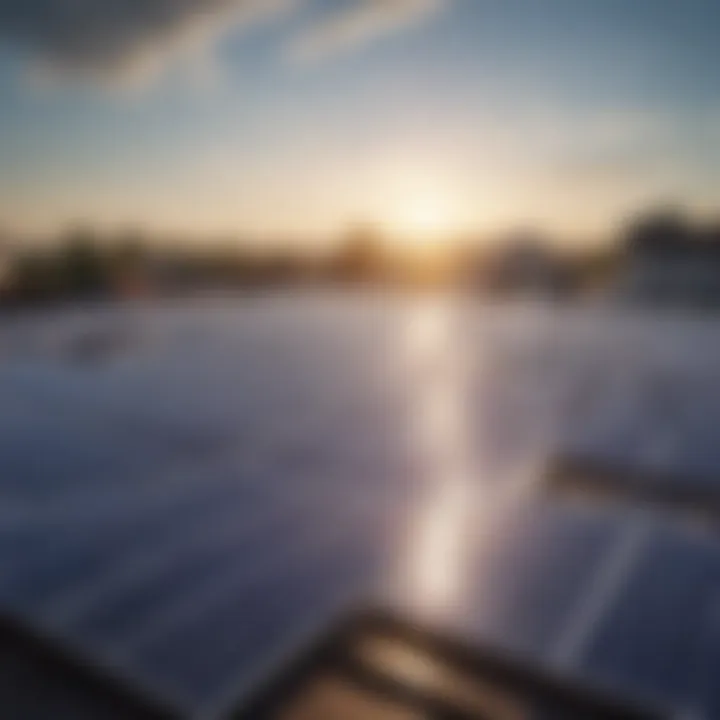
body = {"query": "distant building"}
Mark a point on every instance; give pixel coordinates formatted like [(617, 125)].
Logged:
[(669, 262), (5, 269), (526, 265)]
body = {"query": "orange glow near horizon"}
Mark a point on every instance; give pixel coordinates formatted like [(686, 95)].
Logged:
[(422, 205), (424, 221)]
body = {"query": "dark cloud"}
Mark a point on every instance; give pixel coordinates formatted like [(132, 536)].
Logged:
[(136, 38), (113, 36)]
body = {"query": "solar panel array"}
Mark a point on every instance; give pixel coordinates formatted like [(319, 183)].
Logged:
[(209, 483)]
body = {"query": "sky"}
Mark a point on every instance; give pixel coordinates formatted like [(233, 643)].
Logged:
[(294, 119)]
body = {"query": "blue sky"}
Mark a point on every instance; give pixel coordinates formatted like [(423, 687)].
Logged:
[(473, 115)]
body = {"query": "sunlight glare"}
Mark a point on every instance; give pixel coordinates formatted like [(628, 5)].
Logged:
[(439, 534), (423, 217)]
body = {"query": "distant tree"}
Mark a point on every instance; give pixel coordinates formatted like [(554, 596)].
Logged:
[(33, 277), (711, 233), (129, 251), (127, 265), (658, 231), (82, 267), (596, 268), (360, 256)]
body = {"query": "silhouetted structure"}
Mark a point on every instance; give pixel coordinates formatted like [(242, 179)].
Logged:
[(527, 265), (667, 260), (360, 257), (660, 258)]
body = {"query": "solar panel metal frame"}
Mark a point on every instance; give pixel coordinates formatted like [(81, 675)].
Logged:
[(82, 680), (692, 500), (333, 653)]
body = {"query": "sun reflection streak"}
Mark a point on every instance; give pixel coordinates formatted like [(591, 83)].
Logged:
[(439, 533)]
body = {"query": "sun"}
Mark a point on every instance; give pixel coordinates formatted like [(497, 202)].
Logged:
[(424, 219)]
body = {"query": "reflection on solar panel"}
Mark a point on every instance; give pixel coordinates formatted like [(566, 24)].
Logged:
[(186, 511)]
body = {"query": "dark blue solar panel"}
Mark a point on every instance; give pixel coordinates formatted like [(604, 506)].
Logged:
[(654, 636), (190, 508), (227, 640)]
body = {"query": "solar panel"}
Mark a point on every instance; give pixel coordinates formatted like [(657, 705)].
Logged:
[(374, 666), (184, 513)]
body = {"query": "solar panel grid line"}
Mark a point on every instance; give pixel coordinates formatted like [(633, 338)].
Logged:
[(613, 574), (211, 651), (128, 502), (56, 401), (210, 492), (143, 563), (87, 521), (527, 610), (201, 602), (702, 668), (35, 573), (188, 609), (705, 681), (137, 426), (105, 554), (110, 621), (242, 686), (60, 604), (144, 566), (655, 638)]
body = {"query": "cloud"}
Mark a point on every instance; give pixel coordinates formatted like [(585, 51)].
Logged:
[(123, 39), (133, 41), (363, 22)]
